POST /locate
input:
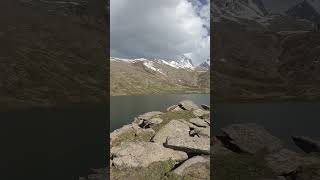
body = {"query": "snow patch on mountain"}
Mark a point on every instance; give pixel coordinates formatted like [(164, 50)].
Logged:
[(181, 62), (150, 65)]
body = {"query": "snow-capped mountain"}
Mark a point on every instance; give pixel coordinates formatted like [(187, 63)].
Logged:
[(307, 9), (181, 61), (239, 9), (178, 62), (204, 66), (156, 76)]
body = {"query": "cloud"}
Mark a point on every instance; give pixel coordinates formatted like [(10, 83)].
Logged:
[(164, 28)]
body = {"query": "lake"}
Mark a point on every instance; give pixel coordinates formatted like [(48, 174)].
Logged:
[(53, 143), (123, 109), (282, 119)]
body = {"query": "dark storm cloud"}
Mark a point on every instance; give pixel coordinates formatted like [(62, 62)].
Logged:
[(161, 28)]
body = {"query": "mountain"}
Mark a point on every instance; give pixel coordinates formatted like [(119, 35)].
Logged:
[(181, 61), (267, 57), (238, 10), (52, 53), (155, 76), (205, 66), (308, 9)]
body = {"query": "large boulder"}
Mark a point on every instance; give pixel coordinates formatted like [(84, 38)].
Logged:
[(118, 132), (283, 162), (287, 162), (142, 154), (185, 166), (217, 148), (188, 105), (200, 132), (205, 107), (147, 116), (151, 122), (174, 108), (189, 144), (250, 138), (201, 113), (129, 132), (174, 128), (307, 144), (199, 122)]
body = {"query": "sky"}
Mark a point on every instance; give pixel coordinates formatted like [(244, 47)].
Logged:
[(160, 29)]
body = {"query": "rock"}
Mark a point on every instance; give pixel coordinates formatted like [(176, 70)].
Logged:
[(205, 107), (150, 122), (217, 148), (308, 173), (307, 144), (150, 115), (142, 154), (188, 105), (201, 113), (250, 138), (185, 165), (189, 144), (199, 122), (118, 132), (174, 108), (130, 131), (283, 162), (174, 128), (287, 162), (201, 132), (197, 171)]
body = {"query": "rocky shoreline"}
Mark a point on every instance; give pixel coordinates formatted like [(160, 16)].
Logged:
[(163, 145), (175, 145)]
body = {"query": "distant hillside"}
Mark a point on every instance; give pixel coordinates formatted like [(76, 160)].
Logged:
[(52, 53), (142, 76), (264, 56)]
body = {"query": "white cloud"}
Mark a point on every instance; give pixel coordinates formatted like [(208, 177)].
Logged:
[(162, 28)]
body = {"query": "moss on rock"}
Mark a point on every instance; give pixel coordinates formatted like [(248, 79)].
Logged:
[(156, 171)]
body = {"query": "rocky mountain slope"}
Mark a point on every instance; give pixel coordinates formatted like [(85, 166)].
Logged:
[(156, 76), (307, 9), (266, 57), (52, 52)]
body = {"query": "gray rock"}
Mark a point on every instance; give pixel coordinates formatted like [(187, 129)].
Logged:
[(283, 162), (217, 148), (307, 144), (189, 144), (150, 122), (142, 154), (194, 160), (118, 132), (251, 138), (287, 162), (174, 108), (205, 107), (188, 105), (201, 113), (201, 132), (174, 128), (199, 122), (132, 129), (207, 121), (149, 115)]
